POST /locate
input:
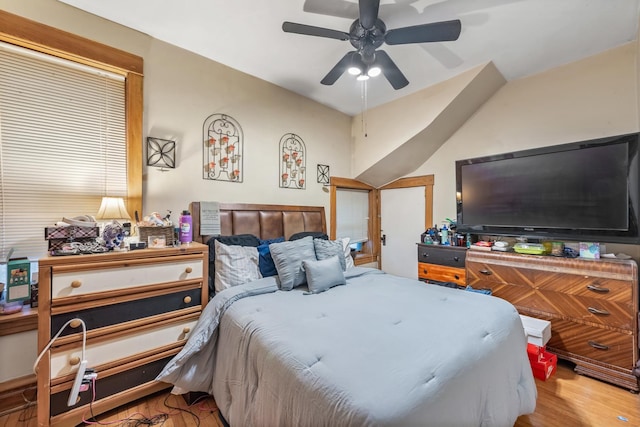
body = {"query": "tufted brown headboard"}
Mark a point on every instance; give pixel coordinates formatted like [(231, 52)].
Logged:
[(263, 221)]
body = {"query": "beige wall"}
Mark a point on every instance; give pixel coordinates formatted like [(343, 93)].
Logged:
[(591, 98), (587, 99), (182, 89)]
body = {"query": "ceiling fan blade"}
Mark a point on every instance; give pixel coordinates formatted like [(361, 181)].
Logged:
[(391, 70), (434, 32), (309, 30), (368, 12), (338, 69)]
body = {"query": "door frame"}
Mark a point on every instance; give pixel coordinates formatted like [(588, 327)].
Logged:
[(371, 250), (425, 181)]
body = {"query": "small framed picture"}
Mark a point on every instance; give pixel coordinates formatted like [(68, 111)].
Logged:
[(157, 242)]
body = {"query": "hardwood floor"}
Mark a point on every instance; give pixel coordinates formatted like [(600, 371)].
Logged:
[(565, 400)]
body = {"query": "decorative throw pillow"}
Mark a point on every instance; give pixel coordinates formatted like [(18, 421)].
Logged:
[(265, 261), (288, 257), (234, 240), (235, 265), (313, 234), (323, 274), (329, 248), (347, 252)]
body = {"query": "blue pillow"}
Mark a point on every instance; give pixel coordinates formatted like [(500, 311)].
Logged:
[(265, 261)]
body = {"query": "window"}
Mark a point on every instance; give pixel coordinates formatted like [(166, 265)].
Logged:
[(62, 144), (352, 218), (115, 115)]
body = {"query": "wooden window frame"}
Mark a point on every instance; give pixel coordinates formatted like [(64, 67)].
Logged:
[(32, 35)]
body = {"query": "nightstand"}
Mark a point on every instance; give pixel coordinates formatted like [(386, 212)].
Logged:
[(442, 263)]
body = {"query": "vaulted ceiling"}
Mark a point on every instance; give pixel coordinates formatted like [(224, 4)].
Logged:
[(521, 37)]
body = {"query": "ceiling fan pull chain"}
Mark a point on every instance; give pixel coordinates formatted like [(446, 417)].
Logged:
[(364, 107)]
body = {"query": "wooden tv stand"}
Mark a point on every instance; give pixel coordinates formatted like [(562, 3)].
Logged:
[(592, 306)]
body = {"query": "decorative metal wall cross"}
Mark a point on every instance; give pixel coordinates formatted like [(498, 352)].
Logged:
[(293, 160), (223, 146), (161, 153)]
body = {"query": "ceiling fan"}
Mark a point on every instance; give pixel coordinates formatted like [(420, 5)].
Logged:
[(367, 34)]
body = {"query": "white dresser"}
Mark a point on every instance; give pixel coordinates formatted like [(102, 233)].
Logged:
[(139, 308)]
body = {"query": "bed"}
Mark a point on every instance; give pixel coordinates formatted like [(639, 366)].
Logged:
[(378, 351)]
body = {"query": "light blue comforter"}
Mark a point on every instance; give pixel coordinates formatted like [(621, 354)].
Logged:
[(380, 351)]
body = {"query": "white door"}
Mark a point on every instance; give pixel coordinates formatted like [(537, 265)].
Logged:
[(402, 212)]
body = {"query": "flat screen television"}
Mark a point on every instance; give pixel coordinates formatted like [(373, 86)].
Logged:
[(583, 191)]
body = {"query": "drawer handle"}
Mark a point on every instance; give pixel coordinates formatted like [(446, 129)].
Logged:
[(598, 345), (596, 288), (456, 259), (76, 284), (457, 277), (74, 361), (425, 271), (188, 270), (599, 312), (486, 272), (426, 255), (75, 323), (186, 330), (187, 299)]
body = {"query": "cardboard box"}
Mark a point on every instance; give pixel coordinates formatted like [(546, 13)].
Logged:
[(538, 331), (590, 250)]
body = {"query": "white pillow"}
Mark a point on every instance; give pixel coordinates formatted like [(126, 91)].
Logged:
[(347, 252), (235, 265)]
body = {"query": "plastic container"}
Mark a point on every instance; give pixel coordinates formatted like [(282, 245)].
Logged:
[(444, 235), (186, 229)]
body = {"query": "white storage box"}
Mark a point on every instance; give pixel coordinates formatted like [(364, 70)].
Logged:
[(538, 331)]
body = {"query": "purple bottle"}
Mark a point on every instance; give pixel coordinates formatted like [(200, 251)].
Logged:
[(186, 231)]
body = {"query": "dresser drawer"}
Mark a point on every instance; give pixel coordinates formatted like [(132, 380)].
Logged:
[(441, 273), (603, 345), (586, 309), (451, 256), (481, 275), (117, 313), (66, 282), (120, 346), (129, 376), (586, 286)]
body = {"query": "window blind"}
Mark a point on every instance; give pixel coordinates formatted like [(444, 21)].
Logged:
[(352, 214), (62, 144)]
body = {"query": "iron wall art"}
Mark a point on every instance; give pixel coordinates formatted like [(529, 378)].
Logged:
[(223, 146), (161, 153), (292, 162), (323, 174)]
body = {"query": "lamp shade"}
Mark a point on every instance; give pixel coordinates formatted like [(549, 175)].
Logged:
[(112, 208)]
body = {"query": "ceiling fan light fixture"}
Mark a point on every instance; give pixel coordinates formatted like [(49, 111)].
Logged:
[(362, 77), (374, 71), (354, 71)]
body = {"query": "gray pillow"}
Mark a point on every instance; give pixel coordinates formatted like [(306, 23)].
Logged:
[(328, 248), (324, 274), (288, 257)]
